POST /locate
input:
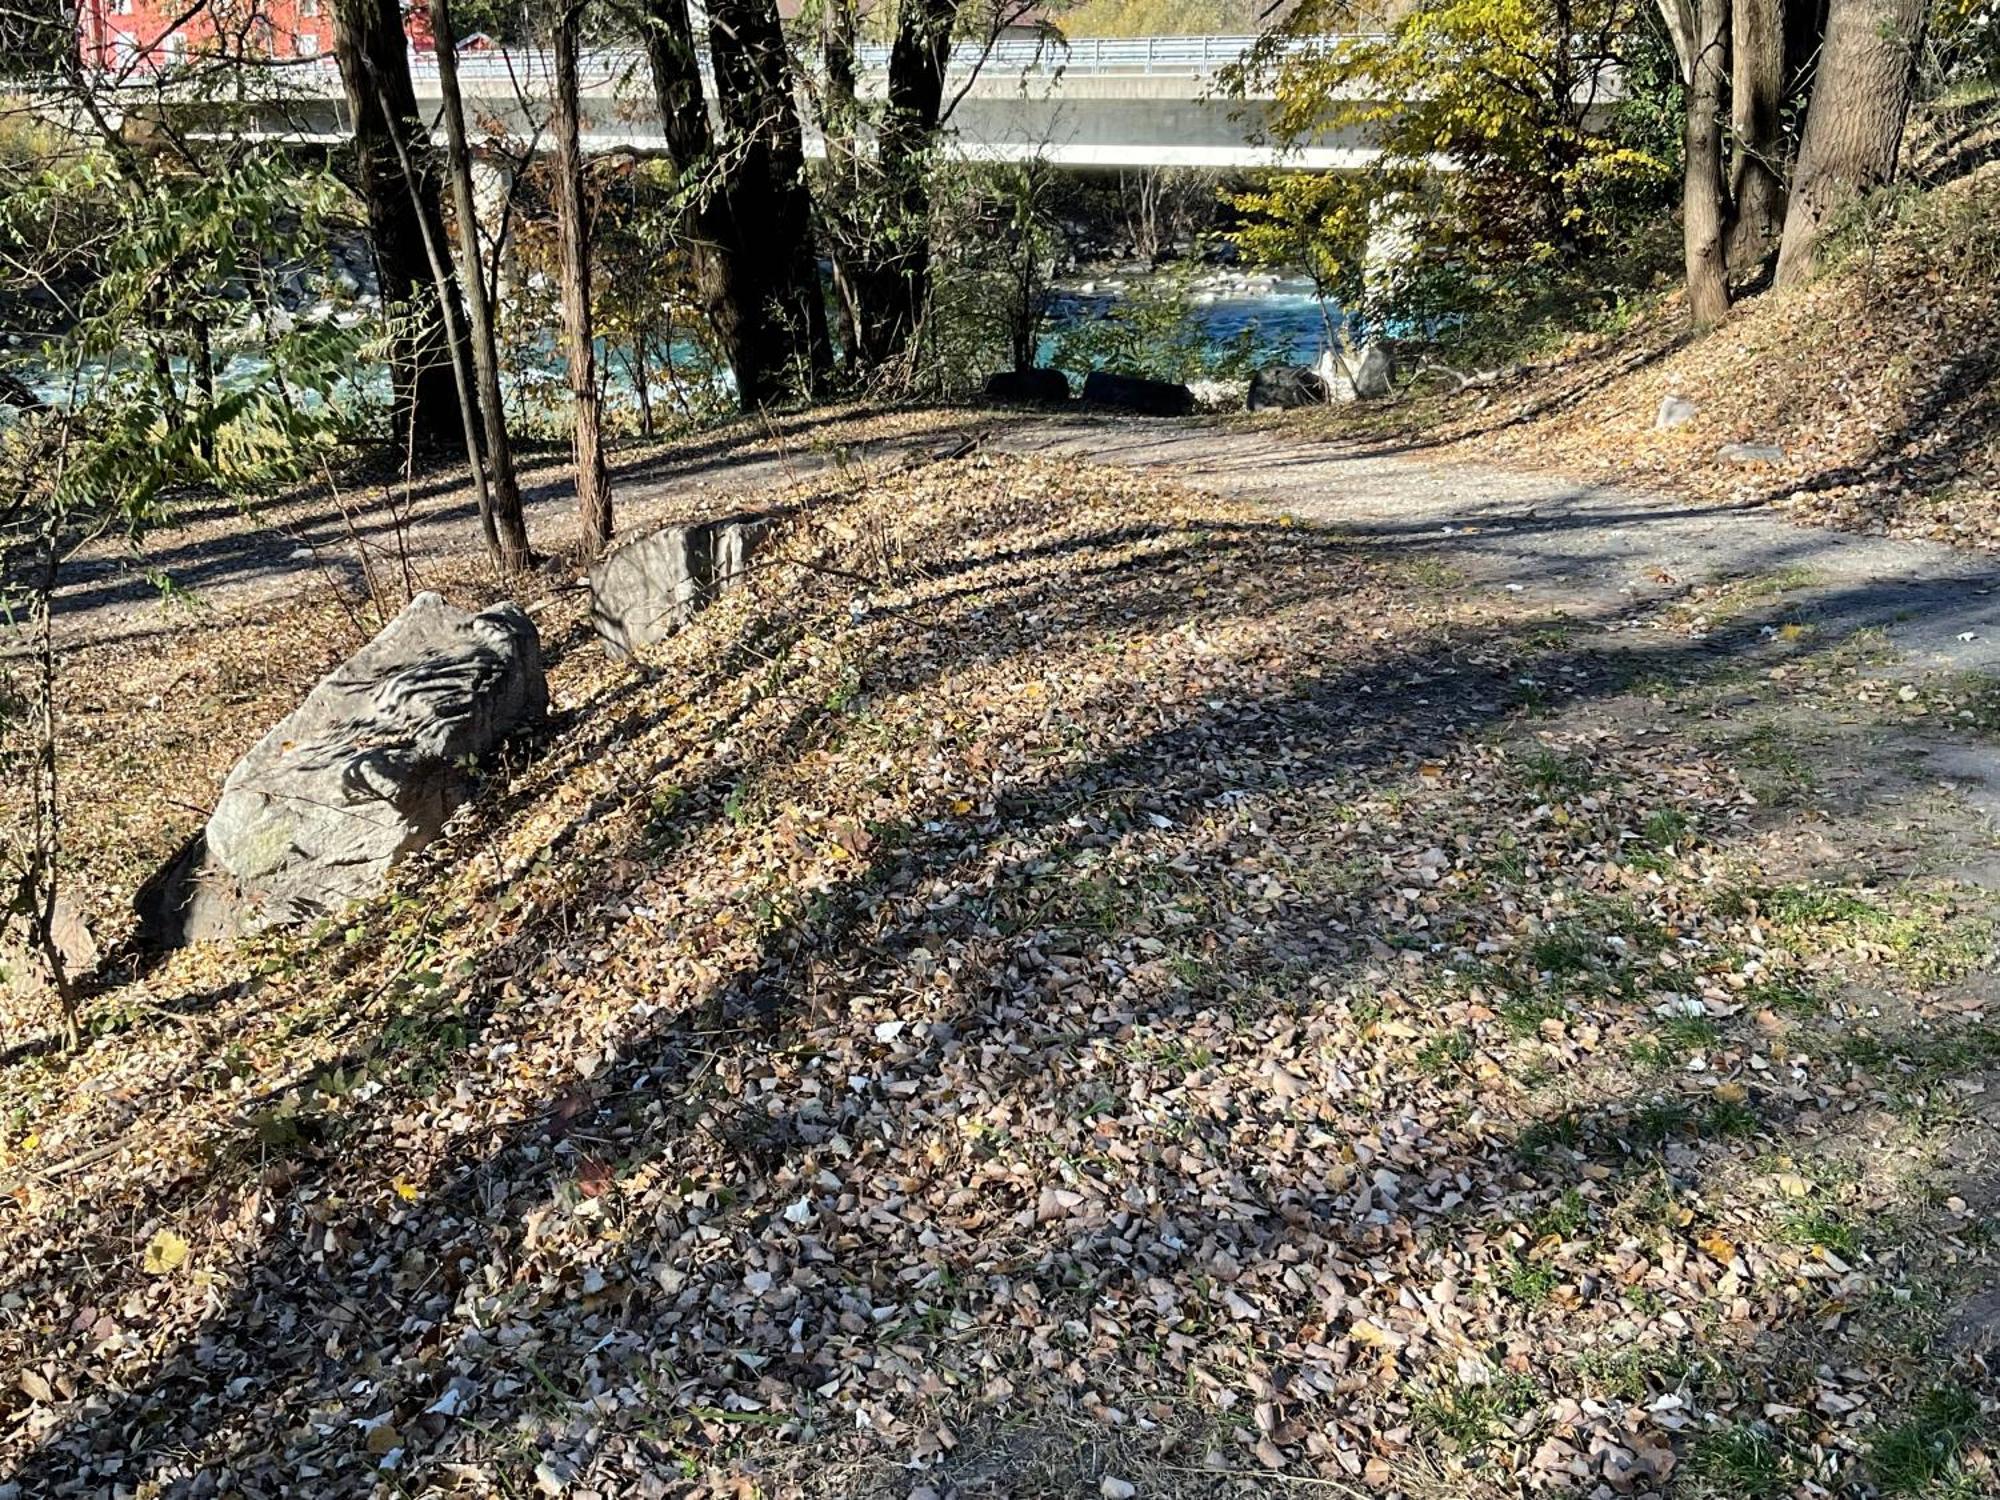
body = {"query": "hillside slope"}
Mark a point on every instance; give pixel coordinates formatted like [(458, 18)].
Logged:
[(1069, 983), (1880, 382)]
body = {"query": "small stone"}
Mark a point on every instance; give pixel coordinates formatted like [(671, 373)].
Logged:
[(1675, 411), (1750, 453), (554, 1475), (1117, 1489)]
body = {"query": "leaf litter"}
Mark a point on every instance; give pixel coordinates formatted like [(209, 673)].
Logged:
[(1060, 985)]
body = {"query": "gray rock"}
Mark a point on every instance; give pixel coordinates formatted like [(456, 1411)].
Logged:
[(1750, 453), (651, 586), (1334, 378), (1278, 387), (1157, 398), (1038, 385), (1675, 411), (1373, 372), (361, 773)]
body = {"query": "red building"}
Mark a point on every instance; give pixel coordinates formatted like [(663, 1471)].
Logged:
[(119, 35)]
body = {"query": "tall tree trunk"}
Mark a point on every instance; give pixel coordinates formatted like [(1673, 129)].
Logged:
[(766, 191), (750, 233), (891, 270), (593, 484), (1700, 32), (464, 386), (369, 46), (1756, 103), (1854, 129), (508, 519)]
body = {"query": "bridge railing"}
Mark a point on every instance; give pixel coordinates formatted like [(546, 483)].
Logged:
[(1185, 56)]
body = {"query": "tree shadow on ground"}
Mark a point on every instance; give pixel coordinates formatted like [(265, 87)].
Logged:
[(337, 1296)]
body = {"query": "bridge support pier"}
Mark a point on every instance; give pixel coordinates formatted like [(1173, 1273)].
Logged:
[(492, 187)]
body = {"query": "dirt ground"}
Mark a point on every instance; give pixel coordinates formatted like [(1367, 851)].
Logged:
[(1168, 955)]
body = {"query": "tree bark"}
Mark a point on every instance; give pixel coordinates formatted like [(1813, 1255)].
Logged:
[(369, 46), (1854, 128), (889, 269), (767, 195), (508, 519), (1756, 103), (438, 254), (593, 483), (1703, 40), (749, 215)]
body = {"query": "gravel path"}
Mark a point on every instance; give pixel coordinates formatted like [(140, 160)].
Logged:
[(1580, 546)]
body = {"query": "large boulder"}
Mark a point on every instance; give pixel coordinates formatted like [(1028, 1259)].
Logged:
[(361, 773), (1276, 387), (648, 588), (1153, 398), (1049, 387)]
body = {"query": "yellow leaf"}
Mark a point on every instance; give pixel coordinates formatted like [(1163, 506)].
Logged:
[(962, 805), (407, 1191), (165, 1252), (1731, 1093), (1718, 1247), (1365, 1332)]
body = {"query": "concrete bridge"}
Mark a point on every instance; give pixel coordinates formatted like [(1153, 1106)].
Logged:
[(1110, 102)]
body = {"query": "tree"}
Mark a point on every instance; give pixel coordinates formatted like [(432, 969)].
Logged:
[(1854, 126), (748, 214), (509, 530), (100, 249), (403, 214), (593, 484), (877, 207), (1498, 157), (1700, 29), (761, 153), (1314, 221), (1757, 87), (886, 259)]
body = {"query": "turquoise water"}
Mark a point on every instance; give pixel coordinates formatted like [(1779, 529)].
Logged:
[(1282, 314)]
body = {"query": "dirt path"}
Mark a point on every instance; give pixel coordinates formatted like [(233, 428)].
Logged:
[(1579, 546), (1575, 545)]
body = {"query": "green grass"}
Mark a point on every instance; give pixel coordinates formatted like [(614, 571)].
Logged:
[(1530, 1284), (1546, 771), (1821, 1228), (1560, 950), (1739, 1462), (1788, 994), (1930, 942), (1565, 1217), (1563, 1130), (1923, 1456), (1786, 773), (1523, 1015), (1444, 1053), (1468, 1416)]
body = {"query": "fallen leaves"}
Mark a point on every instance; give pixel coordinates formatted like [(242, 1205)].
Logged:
[(165, 1252), (1047, 1007)]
